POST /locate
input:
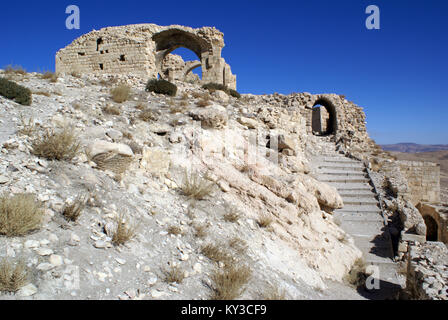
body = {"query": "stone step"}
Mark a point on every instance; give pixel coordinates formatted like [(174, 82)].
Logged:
[(342, 167), (343, 173), (360, 208), (360, 201), (356, 216), (388, 272), (342, 179), (377, 238), (338, 159), (357, 194), (351, 186), (366, 243), (364, 228)]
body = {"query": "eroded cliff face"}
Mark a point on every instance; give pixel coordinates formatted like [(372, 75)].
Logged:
[(253, 151)]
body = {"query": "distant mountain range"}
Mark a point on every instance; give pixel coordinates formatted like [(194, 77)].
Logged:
[(414, 148)]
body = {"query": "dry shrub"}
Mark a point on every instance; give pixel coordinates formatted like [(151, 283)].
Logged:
[(273, 293), (127, 135), (239, 245), (124, 230), (175, 230), (200, 231), (19, 214), (229, 282), (42, 93), (231, 216), (52, 145), (203, 103), (15, 70), (72, 211), (113, 162), (53, 77), (215, 253), (140, 107), (112, 110), (357, 275), (196, 187), (174, 274), (120, 93), (178, 109), (148, 115), (265, 221), (28, 126), (13, 276)]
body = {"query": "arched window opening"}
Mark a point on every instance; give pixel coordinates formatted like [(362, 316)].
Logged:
[(431, 228)]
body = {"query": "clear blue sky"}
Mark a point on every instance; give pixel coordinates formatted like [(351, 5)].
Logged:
[(398, 74)]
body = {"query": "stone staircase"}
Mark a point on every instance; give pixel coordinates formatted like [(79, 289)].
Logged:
[(361, 216)]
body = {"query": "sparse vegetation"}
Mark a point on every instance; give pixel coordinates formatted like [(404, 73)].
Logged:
[(42, 93), (52, 145), (120, 93), (239, 245), (112, 110), (71, 212), (231, 216), (357, 275), (265, 221), (124, 230), (216, 86), (13, 91), (216, 253), (13, 275), (200, 231), (10, 69), (203, 103), (28, 126), (161, 86), (148, 115), (196, 187), (51, 76), (174, 274), (229, 282), (20, 214), (274, 293), (174, 230), (113, 162)]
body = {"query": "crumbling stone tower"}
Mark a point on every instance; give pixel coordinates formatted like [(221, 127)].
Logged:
[(141, 49)]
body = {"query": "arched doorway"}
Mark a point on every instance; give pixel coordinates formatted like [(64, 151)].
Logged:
[(432, 229), (323, 118)]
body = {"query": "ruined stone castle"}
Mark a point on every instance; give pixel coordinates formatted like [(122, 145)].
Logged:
[(142, 49)]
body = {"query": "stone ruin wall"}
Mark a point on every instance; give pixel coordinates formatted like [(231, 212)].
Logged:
[(141, 50), (423, 180), (175, 68)]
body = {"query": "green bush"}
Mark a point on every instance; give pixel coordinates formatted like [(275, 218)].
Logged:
[(217, 86), (162, 87), (13, 91), (234, 93)]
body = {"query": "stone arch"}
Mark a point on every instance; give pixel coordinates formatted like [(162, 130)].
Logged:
[(190, 66), (324, 118), (169, 40), (432, 228)]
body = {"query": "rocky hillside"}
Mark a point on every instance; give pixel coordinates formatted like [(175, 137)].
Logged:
[(162, 197)]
